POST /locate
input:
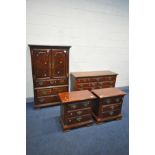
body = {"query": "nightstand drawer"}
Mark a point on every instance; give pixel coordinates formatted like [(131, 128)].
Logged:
[(111, 107), (112, 100), (78, 105), (79, 119), (78, 113), (111, 113)]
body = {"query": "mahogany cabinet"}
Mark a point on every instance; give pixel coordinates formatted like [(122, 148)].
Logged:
[(76, 109), (50, 70), (92, 80), (108, 104)]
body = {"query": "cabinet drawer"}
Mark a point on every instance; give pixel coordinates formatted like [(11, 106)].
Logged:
[(52, 82), (48, 99), (78, 105), (78, 113), (79, 119), (112, 100), (51, 91), (96, 79), (110, 113), (111, 107)]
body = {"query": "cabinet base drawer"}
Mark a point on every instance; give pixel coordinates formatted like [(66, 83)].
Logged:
[(51, 82), (112, 107), (99, 120), (50, 91), (67, 127), (78, 119), (47, 99)]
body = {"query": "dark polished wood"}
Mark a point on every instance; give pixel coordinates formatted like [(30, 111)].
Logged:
[(76, 109), (92, 80), (108, 104), (50, 68)]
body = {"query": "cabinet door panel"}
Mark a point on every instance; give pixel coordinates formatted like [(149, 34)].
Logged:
[(41, 63), (59, 63)]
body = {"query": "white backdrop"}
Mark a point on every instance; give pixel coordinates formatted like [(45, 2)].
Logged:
[(96, 30)]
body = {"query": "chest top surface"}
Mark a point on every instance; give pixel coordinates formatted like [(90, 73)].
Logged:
[(108, 92), (82, 95), (92, 74)]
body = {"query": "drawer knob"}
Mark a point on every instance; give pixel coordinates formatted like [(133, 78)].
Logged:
[(78, 119), (70, 120), (41, 100), (79, 112)]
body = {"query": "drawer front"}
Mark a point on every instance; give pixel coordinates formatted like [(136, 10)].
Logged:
[(111, 113), (78, 113), (43, 92), (111, 107), (112, 100), (57, 90), (52, 82), (96, 79), (78, 105), (51, 91), (48, 99), (95, 84), (79, 119)]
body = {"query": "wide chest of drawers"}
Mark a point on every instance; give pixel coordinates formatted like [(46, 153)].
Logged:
[(108, 104), (76, 109), (92, 80), (50, 69)]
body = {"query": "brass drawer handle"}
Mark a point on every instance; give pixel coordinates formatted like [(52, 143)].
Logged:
[(78, 119), (86, 104), (41, 100), (117, 99), (79, 112), (112, 107), (73, 106), (51, 82), (40, 83), (111, 113), (107, 101)]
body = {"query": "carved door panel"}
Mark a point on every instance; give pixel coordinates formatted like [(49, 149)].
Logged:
[(41, 63), (59, 63)]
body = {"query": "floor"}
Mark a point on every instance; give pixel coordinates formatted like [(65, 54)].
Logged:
[(45, 137)]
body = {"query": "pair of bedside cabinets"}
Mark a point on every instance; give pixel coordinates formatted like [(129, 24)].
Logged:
[(80, 108)]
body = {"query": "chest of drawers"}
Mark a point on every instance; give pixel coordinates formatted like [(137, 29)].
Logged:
[(50, 68), (92, 80), (76, 109), (108, 104)]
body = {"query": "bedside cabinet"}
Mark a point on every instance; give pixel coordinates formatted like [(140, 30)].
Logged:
[(76, 109), (108, 104)]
